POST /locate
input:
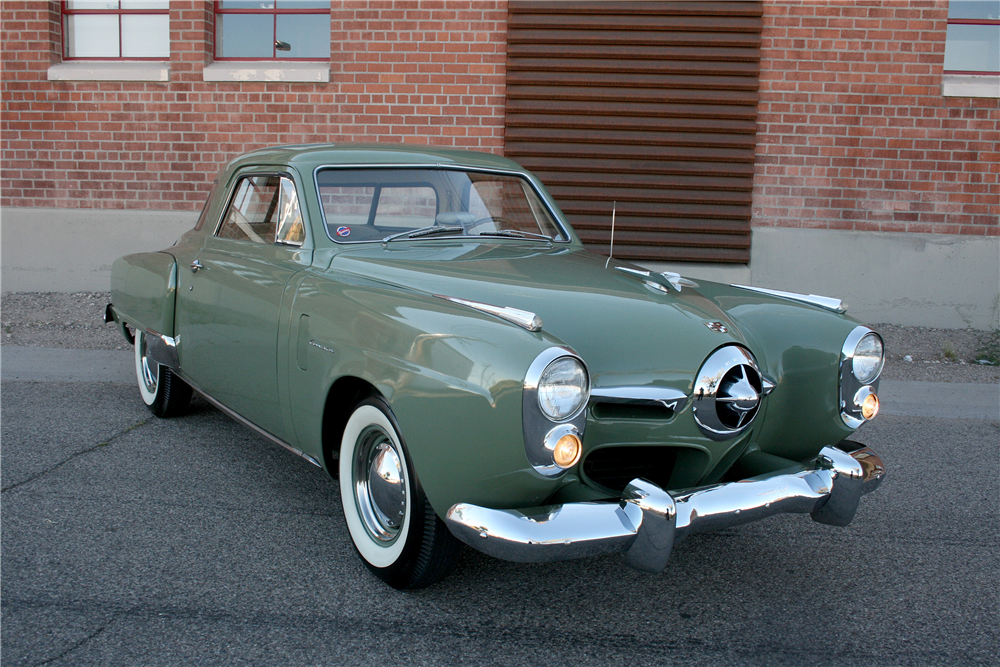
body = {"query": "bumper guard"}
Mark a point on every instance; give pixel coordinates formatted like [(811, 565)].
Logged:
[(647, 521)]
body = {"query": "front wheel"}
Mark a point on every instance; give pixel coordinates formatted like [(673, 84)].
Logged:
[(165, 394), (393, 527)]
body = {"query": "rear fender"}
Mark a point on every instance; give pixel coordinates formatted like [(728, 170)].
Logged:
[(143, 292)]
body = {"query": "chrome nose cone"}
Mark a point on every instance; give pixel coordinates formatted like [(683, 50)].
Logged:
[(738, 395), (727, 393)]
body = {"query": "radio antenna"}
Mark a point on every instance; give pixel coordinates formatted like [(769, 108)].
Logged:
[(611, 252)]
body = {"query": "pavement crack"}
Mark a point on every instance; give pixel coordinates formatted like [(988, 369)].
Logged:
[(77, 455), (92, 635)]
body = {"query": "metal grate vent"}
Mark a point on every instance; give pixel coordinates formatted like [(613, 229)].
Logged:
[(614, 467), (650, 104)]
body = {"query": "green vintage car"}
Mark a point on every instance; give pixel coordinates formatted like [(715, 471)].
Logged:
[(426, 326)]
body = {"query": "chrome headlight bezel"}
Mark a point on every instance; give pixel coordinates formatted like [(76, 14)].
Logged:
[(539, 426), (851, 383)]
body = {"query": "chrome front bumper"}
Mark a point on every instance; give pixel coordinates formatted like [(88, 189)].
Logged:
[(647, 521)]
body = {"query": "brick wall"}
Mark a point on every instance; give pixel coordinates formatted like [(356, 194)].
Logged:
[(419, 71), (853, 130)]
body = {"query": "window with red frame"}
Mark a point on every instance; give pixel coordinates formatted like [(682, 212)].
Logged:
[(128, 30), (276, 30), (973, 41)]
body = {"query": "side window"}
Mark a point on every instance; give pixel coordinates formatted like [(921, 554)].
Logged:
[(972, 43), (264, 209), (291, 231), (130, 29), (274, 30)]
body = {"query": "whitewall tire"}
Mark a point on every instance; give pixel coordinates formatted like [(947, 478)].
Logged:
[(393, 527), (165, 394)]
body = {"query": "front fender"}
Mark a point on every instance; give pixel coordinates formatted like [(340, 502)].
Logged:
[(798, 346), (453, 377)]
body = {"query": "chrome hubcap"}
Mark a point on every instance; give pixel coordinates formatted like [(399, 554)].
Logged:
[(150, 369), (379, 484)]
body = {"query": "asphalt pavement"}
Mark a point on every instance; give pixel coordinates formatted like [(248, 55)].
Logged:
[(131, 540)]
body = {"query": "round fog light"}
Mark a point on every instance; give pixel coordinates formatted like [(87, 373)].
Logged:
[(869, 407), (567, 450)]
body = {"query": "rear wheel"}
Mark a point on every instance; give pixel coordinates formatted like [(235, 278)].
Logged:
[(165, 394), (393, 527)]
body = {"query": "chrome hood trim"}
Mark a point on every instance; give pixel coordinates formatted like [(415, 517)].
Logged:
[(522, 318), (830, 303)]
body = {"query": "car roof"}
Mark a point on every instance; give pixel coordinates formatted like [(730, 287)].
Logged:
[(310, 156)]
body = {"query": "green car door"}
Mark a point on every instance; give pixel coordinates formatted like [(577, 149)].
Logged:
[(230, 297)]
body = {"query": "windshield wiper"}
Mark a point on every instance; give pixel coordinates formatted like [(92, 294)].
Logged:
[(425, 231), (517, 234)]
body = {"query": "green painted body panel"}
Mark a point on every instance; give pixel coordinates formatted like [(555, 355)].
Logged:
[(452, 375), (799, 346), (143, 287), (269, 330)]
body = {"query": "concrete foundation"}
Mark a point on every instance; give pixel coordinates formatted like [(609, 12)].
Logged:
[(71, 250), (935, 280)]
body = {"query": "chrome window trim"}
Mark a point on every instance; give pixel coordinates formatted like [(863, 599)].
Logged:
[(250, 172), (535, 184), (536, 425), (827, 302)]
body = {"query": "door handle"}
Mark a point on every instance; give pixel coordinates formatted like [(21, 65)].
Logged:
[(195, 265)]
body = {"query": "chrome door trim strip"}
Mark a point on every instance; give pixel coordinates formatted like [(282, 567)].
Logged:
[(249, 424)]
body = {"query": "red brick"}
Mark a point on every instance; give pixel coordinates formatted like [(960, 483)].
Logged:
[(880, 149), (396, 67)]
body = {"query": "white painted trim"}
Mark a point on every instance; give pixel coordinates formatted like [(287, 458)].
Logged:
[(110, 70), (268, 71), (970, 85)]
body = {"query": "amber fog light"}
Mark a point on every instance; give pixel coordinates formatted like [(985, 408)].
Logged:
[(565, 444), (567, 451), (869, 407)]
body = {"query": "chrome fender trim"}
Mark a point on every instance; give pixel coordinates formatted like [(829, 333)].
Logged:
[(647, 521), (162, 349), (249, 424), (827, 302)]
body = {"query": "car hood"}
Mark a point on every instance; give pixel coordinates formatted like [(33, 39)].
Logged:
[(627, 333)]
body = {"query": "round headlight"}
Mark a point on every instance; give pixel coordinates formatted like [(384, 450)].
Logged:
[(868, 358), (563, 388)]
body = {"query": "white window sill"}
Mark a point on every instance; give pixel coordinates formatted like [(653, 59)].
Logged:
[(268, 71), (110, 70), (970, 85)]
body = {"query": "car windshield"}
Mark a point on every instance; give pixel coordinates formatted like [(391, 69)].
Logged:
[(380, 204)]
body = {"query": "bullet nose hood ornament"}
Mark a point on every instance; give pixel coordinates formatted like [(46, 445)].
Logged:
[(727, 393)]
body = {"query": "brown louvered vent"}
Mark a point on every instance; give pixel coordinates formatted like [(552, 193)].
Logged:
[(650, 104)]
